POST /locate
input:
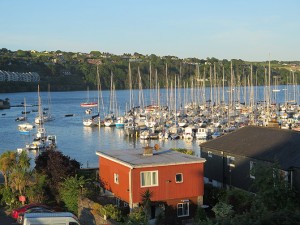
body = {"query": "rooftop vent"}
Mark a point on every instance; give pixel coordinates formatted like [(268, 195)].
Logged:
[(148, 150)]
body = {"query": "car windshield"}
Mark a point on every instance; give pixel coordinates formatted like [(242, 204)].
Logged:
[(38, 210)]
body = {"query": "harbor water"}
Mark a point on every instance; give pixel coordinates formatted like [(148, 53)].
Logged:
[(75, 140)]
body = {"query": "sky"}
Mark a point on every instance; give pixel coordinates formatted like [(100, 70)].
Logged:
[(256, 30)]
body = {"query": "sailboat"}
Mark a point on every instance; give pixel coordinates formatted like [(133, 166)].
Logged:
[(87, 103), (109, 120), (48, 116), (26, 127), (94, 120), (42, 116), (42, 140)]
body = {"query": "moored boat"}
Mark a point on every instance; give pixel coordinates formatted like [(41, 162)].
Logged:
[(25, 128), (89, 104)]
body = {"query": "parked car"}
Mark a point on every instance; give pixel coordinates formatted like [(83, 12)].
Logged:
[(38, 209), (61, 218), (15, 213)]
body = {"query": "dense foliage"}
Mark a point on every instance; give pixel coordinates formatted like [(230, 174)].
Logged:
[(57, 167), (274, 202), (70, 190)]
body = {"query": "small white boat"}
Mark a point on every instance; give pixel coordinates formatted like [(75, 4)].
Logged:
[(145, 135), (201, 133), (183, 123), (20, 118), (120, 122), (109, 123), (90, 122), (25, 128), (43, 143), (188, 133), (88, 111), (89, 104)]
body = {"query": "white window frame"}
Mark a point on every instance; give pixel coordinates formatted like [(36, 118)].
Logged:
[(230, 161), (153, 182), (116, 178), (181, 178), (180, 209), (252, 166), (209, 154)]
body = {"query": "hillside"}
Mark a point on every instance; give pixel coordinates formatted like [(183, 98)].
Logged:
[(67, 71)]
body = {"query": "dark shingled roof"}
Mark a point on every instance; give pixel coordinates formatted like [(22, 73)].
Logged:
[(267, 144)]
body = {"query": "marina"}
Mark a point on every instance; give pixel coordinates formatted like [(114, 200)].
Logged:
[(180, 126)]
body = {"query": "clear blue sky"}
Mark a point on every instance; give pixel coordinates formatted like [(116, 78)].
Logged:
[(224, 29)]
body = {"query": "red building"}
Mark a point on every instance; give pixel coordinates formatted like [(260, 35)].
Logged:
[(173, 178)]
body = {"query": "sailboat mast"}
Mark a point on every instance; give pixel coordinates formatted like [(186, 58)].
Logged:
[(223, 89), (156, 88), (269, 89), (98, 89), (167, 85), (130, 86), (204, 87), (150, 85)]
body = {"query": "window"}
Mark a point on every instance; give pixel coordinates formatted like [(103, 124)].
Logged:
[(252, 169), (230, 161), (179, 178), (116, 178), (281, 174), (149, 178), (117, 202), (183, 209), (209, 154)]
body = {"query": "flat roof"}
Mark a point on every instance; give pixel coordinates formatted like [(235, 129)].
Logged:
[(134, 158)]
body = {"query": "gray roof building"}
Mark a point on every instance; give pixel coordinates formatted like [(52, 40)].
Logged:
[(230, 158), (266, 144)]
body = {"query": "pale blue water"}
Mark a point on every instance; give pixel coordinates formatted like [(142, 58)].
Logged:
[(73, 138)]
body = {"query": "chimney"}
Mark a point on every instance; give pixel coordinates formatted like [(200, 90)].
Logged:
[(148, 151)]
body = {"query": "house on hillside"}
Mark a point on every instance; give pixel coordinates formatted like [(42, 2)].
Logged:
[(175, 180), (230, 159)]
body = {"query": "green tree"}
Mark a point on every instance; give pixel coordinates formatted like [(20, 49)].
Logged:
[(57, 167), (36, 190), (223, 210), (19, 176), (146, 203), (8, 197), (137, 216), (271, 187), (7, 161), (70, 190)]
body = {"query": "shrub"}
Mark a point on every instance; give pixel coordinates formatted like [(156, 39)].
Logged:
[(96, 209), (111, 211)]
